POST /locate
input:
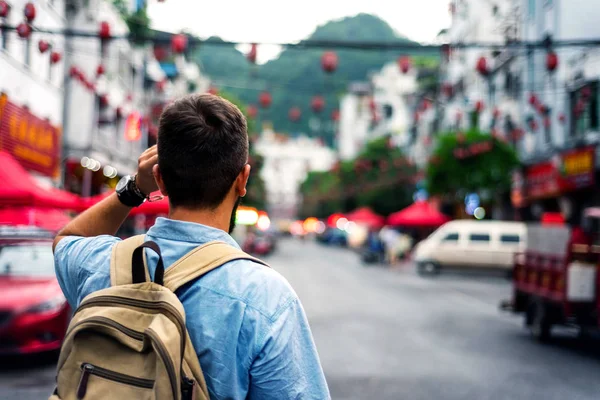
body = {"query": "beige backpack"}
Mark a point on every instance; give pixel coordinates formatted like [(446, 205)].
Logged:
[(130, 341)]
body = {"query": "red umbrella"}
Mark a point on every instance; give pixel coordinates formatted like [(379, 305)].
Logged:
[(419, 214), (366, 216)]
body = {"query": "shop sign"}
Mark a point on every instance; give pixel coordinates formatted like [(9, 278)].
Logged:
[(569, 171), (33, 141)]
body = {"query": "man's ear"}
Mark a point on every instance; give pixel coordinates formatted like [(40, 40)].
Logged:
[(242, 181), (159, 180)]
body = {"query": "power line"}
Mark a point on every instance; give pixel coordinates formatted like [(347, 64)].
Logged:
[(331, 44)]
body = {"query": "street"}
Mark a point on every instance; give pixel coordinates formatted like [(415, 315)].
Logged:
[(390, 334)]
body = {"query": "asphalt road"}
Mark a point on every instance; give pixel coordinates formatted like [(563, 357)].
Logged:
[(390, 334)]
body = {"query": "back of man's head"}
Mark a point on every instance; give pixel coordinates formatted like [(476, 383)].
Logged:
[(202, 148)]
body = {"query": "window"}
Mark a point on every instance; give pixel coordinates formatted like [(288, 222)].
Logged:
[(510, 239), (479, 237), (451, 237)]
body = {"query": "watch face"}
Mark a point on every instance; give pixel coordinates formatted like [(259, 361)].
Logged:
[(122, 185)]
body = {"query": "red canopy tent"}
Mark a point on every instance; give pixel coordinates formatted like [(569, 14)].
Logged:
[(366, 216), (51, 220), (419, 214), (19, 188)]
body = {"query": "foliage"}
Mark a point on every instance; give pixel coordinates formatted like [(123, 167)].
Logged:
[(488, 172), (378, 178), (138, 22), (296, 75)]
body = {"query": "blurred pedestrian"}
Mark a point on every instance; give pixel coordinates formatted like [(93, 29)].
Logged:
[(247, 325)]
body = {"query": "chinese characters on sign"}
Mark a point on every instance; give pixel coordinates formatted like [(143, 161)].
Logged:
[(34, 142)]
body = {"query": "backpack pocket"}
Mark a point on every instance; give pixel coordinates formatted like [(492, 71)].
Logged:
[(96, 382)]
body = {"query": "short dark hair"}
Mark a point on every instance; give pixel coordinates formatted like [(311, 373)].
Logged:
[(202, 148)]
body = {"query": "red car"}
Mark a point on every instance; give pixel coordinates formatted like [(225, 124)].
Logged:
[(34, 313)]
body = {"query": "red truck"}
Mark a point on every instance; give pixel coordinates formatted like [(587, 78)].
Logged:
[(556, 281)]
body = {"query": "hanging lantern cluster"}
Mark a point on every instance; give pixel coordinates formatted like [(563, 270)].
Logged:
[(55, 57), (265, 99), (482, 67), (24, 30), (294, 114), (29, 12), (329, 61), (317, 104), (252, 54), (404, 63), (43, 46), (104, 31), (100, 70)]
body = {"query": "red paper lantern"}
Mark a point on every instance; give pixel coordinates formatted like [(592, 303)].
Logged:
[(482, 66), (103, 100), (90, 86), (29, 12), (161, 85), (104, 30), (295, 114), (73, 71), (404, 63), (4, 9), (335, 115), (496, 113), (265, 99), (479, 106), (533, 100), (252, 111), (100, 70), (562, 118), (542, 109), (24, 30), (329, 61), (213, 90), (317, 104), (448, 89), (551, 61), (55, 57), (179, 43), (43, 46), (160, 53), (251, 56)]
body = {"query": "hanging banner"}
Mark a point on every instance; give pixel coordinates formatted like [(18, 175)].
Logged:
[(33, 141), (133, 127)]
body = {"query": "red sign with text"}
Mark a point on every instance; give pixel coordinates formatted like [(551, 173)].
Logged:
[(571, 170), (33, 141)]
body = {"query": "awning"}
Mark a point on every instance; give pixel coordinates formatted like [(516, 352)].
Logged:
[(48, 219), (419, 214), (148, 208), (19, 188), (366, 216)]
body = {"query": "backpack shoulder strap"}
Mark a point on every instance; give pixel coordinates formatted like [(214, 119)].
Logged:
[(202, 260), (121, 260)]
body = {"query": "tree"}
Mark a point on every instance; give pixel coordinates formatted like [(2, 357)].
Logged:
[(470, 162)]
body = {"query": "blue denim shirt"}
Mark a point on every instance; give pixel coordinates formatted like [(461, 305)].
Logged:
[(246, 322)]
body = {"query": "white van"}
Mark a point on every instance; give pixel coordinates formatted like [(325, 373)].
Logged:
[(471, 244)]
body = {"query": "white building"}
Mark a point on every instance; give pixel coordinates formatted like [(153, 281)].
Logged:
[(379, 108), (30, 83), (286, 164)]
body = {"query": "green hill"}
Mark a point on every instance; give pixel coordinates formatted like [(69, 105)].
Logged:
[(296, 75)]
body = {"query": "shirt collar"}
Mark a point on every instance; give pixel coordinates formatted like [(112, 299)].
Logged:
[(192, 232)]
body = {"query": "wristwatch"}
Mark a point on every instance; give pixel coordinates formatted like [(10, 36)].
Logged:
[(128, 192)]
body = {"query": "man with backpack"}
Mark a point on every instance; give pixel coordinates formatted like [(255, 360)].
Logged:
[(248, 333)]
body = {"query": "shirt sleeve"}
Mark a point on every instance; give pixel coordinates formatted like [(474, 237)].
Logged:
[(83, 265), (288, 366)]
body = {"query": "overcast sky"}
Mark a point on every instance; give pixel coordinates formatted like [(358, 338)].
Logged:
[(282, 21)]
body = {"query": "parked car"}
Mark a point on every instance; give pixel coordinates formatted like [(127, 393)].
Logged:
[(259, 243), (34, 313), (471, 244), (333, 236)]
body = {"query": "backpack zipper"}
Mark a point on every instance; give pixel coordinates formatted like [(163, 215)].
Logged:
[(112, 300), (164, 355), (90, 369)]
